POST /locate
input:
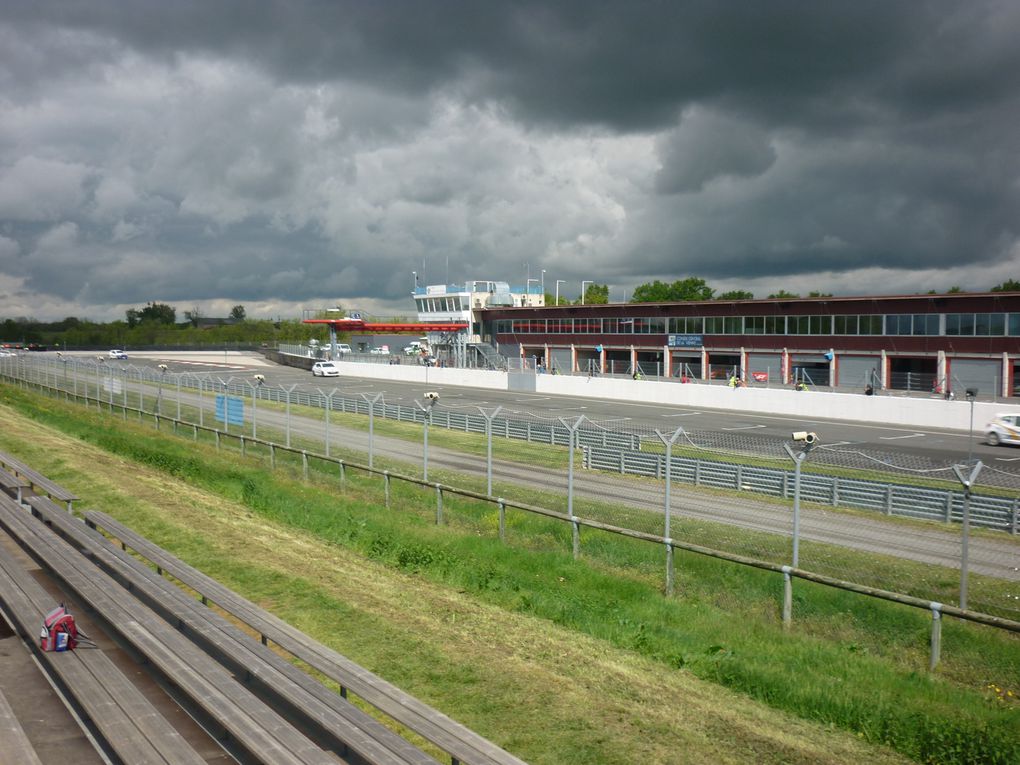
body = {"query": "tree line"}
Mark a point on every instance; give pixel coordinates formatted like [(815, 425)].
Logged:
[(694, 288), (156, 325)]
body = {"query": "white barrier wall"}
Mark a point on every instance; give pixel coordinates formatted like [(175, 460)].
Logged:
[(884, 408), (805, 405), (469, 378)]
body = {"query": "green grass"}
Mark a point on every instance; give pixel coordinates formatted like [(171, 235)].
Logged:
[(850, 662)]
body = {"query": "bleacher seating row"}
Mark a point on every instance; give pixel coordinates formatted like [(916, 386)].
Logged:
[(259, 706)]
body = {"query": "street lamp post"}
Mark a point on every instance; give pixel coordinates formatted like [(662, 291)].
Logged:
[(584, 282), (543, 281), (558, 283)]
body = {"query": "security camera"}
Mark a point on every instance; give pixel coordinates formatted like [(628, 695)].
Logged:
[(260, 379), (432, 396), (972, 392), (163, 367), (804, 437)]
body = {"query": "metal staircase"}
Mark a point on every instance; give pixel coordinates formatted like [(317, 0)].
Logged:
[(487, 356)]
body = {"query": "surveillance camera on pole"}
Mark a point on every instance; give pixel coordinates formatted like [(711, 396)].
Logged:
[(804, 437), (162, 367), (260, 379), (432, 397)]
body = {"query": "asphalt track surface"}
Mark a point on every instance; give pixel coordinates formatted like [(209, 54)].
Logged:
[(939, 445), (995, 557)]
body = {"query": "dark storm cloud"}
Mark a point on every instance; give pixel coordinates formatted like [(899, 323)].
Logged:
[(304, 151)]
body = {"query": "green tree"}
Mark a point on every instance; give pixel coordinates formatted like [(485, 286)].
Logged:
[(133, 317), (691, 288), (1010, 285), (159, 313), (783, 295), (595, 294), (736, 295), (237, 313), (954, 290), (816, 293)]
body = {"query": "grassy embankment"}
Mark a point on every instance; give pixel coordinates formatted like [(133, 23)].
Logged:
[(924, 581), (561, 661)]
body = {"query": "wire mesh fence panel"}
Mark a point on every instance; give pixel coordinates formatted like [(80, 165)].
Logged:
[(867, 513)]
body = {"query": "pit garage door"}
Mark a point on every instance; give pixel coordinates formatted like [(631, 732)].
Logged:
[(813, 369), (559, 358), (858, 371), (983, 374), (764, 367)]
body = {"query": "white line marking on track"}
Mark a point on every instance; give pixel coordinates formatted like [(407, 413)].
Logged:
[(1007, 459), (745, 427), (684, 414), (897, 438)]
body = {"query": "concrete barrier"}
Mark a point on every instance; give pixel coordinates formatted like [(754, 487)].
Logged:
[(885, 408), (804, 405)]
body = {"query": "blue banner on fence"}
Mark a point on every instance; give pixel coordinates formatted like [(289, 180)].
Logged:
[(234, 409)]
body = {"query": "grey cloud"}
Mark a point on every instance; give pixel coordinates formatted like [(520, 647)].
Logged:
[(708, 146), (286, 151)]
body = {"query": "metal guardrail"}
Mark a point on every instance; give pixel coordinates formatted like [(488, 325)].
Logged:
[(999, 513)]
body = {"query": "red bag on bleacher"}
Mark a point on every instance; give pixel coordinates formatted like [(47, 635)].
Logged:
[(59, 632)]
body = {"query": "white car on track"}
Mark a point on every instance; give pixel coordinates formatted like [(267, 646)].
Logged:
[(325, 369), (117, 354), (1004, 429)]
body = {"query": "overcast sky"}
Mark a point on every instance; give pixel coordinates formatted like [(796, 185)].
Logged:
[(287, 155)]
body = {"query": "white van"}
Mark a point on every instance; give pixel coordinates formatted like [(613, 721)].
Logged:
[(343, 348)]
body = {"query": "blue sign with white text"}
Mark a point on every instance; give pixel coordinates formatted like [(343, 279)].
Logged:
[(686, 341), (232, 407)]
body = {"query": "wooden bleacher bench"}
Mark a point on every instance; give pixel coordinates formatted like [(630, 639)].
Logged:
[(250, 724), (124, 718), (12, 484), (15, 748), (37, 480), (335, 718), (462, 744)]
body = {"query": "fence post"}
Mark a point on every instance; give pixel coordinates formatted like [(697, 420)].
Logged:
[(243, 453), (272, 457), (669, 567), (787, 597), (949, 506), (740, 477), (439, 504), (194, 431), (502, 519), (936, 636), (888, 499), (1013, 526), (835, 491), (217, 440), (386, 487), (343, 475), (697, 473), (304, 464)]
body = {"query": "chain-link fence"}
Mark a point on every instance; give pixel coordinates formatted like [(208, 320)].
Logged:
[(884, 519)]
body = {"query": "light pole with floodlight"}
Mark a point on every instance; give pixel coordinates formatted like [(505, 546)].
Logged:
[(584, 282)]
